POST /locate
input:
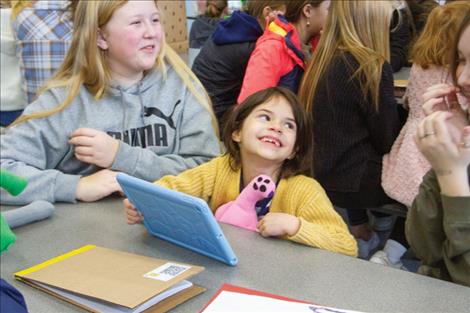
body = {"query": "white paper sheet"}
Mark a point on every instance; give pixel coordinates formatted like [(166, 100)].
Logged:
[(228, 301), (106, 307)]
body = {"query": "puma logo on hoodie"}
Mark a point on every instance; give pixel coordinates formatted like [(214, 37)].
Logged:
[(150, 135), (157, 112)]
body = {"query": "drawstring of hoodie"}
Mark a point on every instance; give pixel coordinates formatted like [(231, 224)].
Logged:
[(124, 118), (141, 102), (124, 106)]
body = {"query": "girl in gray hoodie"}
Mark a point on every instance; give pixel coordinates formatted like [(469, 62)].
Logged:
[(122, 101)]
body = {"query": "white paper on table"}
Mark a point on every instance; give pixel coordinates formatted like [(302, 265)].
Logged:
[(228, 301)]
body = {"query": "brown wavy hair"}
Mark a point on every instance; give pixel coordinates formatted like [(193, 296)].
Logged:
[(301, 162), (215, 8), (434, 44)]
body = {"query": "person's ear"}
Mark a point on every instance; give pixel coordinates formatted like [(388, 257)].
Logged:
[(266, 12), (307, 10), (101, 41), (236, 136)]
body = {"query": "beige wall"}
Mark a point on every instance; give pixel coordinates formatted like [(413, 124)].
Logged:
[(174, 21)]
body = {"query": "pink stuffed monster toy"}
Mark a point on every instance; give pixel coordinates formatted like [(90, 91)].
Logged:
[(242, 211)]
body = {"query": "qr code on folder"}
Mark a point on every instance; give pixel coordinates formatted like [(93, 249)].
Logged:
[(167, 271)]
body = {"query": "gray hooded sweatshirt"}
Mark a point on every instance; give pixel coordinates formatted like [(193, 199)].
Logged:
[(162, 127)]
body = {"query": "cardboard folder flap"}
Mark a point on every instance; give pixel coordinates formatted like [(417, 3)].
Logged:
[(54, 260), (110, 275), (171, 302), (57, 296), (163, 306)]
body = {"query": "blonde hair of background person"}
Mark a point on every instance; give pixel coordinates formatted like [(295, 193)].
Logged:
[(82, 67), (18, 5), (431, 48), (348, 91), (344, 33)]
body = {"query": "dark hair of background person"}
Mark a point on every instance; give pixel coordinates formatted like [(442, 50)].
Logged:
[(294, 9), (420, 10), (215, 8), (402, 32), (301, 162), (255, 7)]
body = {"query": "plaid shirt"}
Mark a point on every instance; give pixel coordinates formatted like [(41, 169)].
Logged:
[(44, 34)]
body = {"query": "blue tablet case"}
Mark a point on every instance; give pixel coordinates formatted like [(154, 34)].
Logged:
[(179, 218)]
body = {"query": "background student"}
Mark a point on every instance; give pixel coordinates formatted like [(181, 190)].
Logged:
[(348, 91), (121, 101), (281, 54), (43, 30), (268, 134), (401, 35), (221, 63), (404, 167), (12, 97), (203, 26), (438, 223), (420, 10)]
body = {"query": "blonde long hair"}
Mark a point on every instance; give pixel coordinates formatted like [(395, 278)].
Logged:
[(85, 64), (433, 45), (360, 28)]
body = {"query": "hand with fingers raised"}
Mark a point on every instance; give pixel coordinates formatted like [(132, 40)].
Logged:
[(445, 143), (94, 147), (443, 97)]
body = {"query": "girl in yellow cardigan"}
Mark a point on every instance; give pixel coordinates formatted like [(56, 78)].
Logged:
[(268, 134)]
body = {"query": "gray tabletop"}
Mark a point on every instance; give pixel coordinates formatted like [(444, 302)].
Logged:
[(269, 265)]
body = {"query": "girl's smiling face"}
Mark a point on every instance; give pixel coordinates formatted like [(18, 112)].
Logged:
[(268, 133), (132, 39)]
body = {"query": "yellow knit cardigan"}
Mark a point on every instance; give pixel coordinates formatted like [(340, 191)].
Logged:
[(320, 226)]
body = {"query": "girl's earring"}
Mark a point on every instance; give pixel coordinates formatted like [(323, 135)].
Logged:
[(308, 23)]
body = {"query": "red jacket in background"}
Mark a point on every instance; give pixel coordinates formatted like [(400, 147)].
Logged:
[(277, 60)]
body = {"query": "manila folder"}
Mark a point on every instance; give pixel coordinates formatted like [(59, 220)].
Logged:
[(112, 276)]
